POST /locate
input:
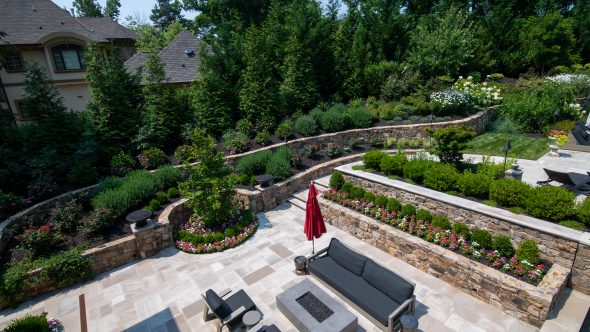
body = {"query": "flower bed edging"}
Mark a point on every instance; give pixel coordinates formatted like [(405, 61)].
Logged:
[(219, 246), (514, 297)]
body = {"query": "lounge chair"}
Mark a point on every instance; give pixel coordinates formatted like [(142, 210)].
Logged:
[(581, 136), (229, 311), (571, 181)]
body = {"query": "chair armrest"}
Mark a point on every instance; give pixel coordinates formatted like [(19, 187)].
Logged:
[(317, 254), (224, 292), (234, 315), (406, 306)]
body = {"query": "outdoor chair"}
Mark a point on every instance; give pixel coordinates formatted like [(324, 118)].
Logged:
[(582, 125), (229, 310), (571, 181), (581, 136)]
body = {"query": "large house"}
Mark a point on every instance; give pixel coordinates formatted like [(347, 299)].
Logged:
[(41, 31), (180, 60)]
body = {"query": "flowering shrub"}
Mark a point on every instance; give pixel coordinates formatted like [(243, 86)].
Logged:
[(478, 94), (449, 101), (152, 158), (38, 240), (204, 240), (55, 325), (442, 237), (122, 164), (560, 136)]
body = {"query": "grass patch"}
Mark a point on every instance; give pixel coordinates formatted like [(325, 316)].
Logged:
[(363, 168), (522, 147)]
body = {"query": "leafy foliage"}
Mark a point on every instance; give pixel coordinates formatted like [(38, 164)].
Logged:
[(509, 192), (503, 245), (482, 237), (548, 202), (393, 165), (372, 159), (529, 251), (441, 221), (441, 177), (336, 180), (451, 142)]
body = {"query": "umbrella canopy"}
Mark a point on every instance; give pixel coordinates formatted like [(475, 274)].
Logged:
[(314, 222)]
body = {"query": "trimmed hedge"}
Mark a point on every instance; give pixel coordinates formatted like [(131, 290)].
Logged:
[(475, 185), (336, 180), (393, 165), (415, 169), (529, 251), (372, 159), (509, 192), (482, 237), (550, 203), (441, 177), (503, 245)]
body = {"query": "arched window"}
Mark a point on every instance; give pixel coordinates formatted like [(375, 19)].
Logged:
[(68, 57)]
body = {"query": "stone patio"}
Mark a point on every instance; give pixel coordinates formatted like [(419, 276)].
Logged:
[(161, 293)]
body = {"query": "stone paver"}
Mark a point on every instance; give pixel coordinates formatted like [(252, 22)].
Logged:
[(161, 293)]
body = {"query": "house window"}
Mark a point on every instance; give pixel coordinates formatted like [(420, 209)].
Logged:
[(14, 61), (68, 57), (23, 110)]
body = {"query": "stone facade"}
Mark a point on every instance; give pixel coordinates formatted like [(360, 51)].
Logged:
[(113, 254), (514, 297), (557, 244)]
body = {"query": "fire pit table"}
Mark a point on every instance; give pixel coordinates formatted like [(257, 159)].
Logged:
[(139, 217), (309, 308)]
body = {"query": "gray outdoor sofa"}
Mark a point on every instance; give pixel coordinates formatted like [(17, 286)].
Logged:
[(380, 294)]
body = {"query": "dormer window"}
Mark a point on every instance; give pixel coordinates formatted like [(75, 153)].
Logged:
[(68, 57)]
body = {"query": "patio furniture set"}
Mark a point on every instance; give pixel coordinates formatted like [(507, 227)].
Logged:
[(384, 297), (572, 181)]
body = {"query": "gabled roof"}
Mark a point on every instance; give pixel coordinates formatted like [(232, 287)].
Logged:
[(179, 67), (36, 21)]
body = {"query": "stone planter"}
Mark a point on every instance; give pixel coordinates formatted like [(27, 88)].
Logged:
[(554, 147)]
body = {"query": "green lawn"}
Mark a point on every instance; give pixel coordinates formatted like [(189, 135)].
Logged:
[(522, 147)]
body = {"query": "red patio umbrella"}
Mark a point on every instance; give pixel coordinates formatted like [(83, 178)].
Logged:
[(314, 222)]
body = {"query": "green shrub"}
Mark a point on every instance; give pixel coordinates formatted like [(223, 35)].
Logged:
[(9, 204), (279, 165), (244, 126), (369, 197), (336, 180), (317, 115), (98, 222), (573, 225), (306, 125), (490, 202), (135, 188), (394, 205), (285, 129), (68, 268), (372, 159), (122, 164), (414, 169), (254, 164), (380, 200), (166, 177), (393, 165), (110, 182), (152, 158), (474, 185), (529, 251), (65, 217), (419, 103), (461, 230), (173, 193), (442, 177), (451, 142), (335, 119), (347, 186), (83, 173), (482, 237), (235, 141), (584, 211), (516, 210), (161, 197), (509, 192), (550, 203), (388, 112), (154, 205), (441, 221), (423, 215), (360, 117), (408, 210), (38, 240), (262, 138), (503, 245), (229, 232), (357, 192), (37, 323)]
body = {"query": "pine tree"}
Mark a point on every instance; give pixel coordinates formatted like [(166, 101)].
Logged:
[(166, 12), (87, 8), (299, 87), (111, 10), (115, 97)]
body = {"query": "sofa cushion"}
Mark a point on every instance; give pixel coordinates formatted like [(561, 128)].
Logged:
[(217, 304), (353, 287), (388, 282), (350, 260)]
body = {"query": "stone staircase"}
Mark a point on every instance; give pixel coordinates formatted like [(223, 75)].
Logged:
[(299, 198)]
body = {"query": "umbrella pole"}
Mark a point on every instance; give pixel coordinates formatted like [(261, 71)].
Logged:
[(312, 246)]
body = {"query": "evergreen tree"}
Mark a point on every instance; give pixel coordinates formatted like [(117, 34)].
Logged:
[(87, 8), (166, 12), (160, 116), (111, 10), (260, 100), (581, 17), (115, 98)]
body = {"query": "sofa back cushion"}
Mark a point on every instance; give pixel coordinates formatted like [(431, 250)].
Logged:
[(347, 258), (387, 282), (217, 304)]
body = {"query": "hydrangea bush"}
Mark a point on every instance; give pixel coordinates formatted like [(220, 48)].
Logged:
[(478, 94), (449, 101)]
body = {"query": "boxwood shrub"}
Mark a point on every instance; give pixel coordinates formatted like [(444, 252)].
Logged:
[(393, 165), (372, 159), (423, 215), (346, 187), (550, 202), (503, 245), (369, 196), (584, 211), (414, 169), (529, 251), (474, 185), (509, 192), (360, 117), (306, 125), (357, 192), (394, 205), (380, 200), (482, 237), (335, 119), (441, 177), (441, 221), (36, 323), (408, 210), (462, 230), (336, 180)]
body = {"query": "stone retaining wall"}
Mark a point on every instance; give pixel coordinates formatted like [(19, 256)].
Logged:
[(558, 244), (514, 297)]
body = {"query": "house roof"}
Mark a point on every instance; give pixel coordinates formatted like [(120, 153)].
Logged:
[(36, 21), (179, 67)]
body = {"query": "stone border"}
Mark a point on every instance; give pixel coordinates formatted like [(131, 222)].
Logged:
[(514, 297), (558, 244)]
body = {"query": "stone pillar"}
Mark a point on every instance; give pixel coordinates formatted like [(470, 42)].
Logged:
[(580, 279), (151, 238)]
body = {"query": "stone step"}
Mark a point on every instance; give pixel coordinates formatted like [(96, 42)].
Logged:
[(296, 202)]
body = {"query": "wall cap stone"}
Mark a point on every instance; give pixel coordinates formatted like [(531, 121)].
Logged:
[(520, 220)]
